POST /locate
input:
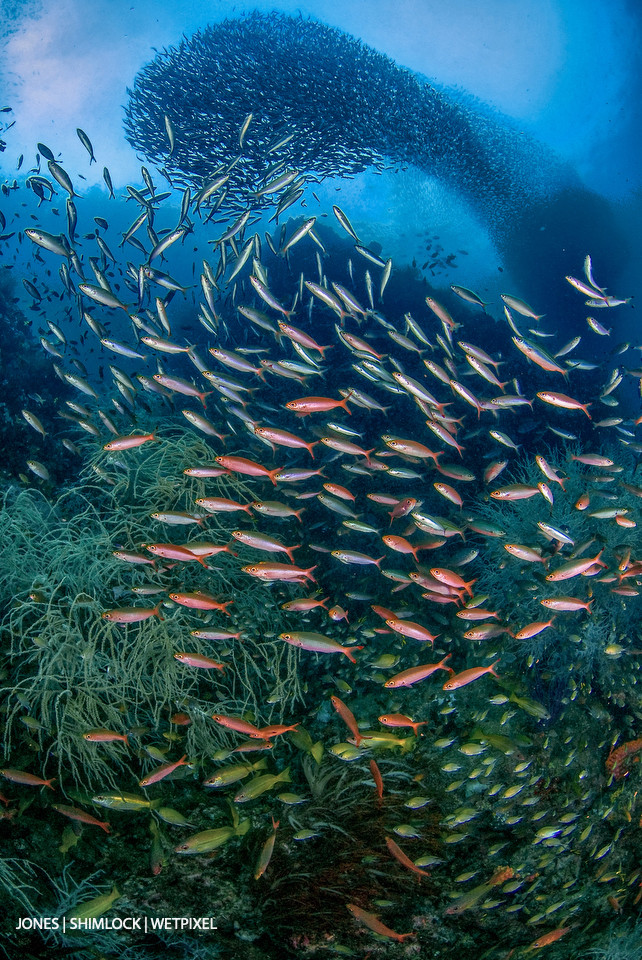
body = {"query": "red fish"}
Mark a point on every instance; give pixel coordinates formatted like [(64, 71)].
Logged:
[(307, 405), (468, 676)]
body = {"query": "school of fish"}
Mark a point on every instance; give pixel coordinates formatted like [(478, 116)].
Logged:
[(441, 508)]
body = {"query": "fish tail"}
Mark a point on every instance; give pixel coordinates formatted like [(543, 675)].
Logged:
[(349, 653), (156, 611)]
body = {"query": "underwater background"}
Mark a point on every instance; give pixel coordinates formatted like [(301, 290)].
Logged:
[(320, 418)]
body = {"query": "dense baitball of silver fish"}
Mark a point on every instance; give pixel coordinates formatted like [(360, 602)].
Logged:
[(343, 107), (347, 106)]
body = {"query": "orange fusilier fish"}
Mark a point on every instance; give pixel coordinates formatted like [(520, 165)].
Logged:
[(184, 387), (407, 628), (468, 676), (262, 542), (566, 604), (452, 579), (203, 548), (345, 446), (317, 643), (549, 472), (399, 855), (403, 508), (400, 720), (199, 600), (515, 491), (104, 736), (575, 568), (179, 518), (442, 314), (203, 424), (356, 343), (477, 613), (297, 476), (440, 431), (163, 771), (378, 779), (410, 448), (486, 631), (493, 470), (348, 718), (172, 551), (561, 400), (126, 443), (473, 351), (383, 612), (273, 730), (236, 723), (338, 491), (434, 586), (198, 660), (304, 604), (546, 491), (525, 553), (248, 467), (540, 357), (236, 362), (414, 674), (127, 615), (269, 572), (592, 460), (401, 545), (29, 779), (273, 508), (81, 815), (284, 439), (533, 629), (222, 505), (216, 634), (551, 937), (302, 338), (307, 405), (373, 923), (449, 493), (204, 472)]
